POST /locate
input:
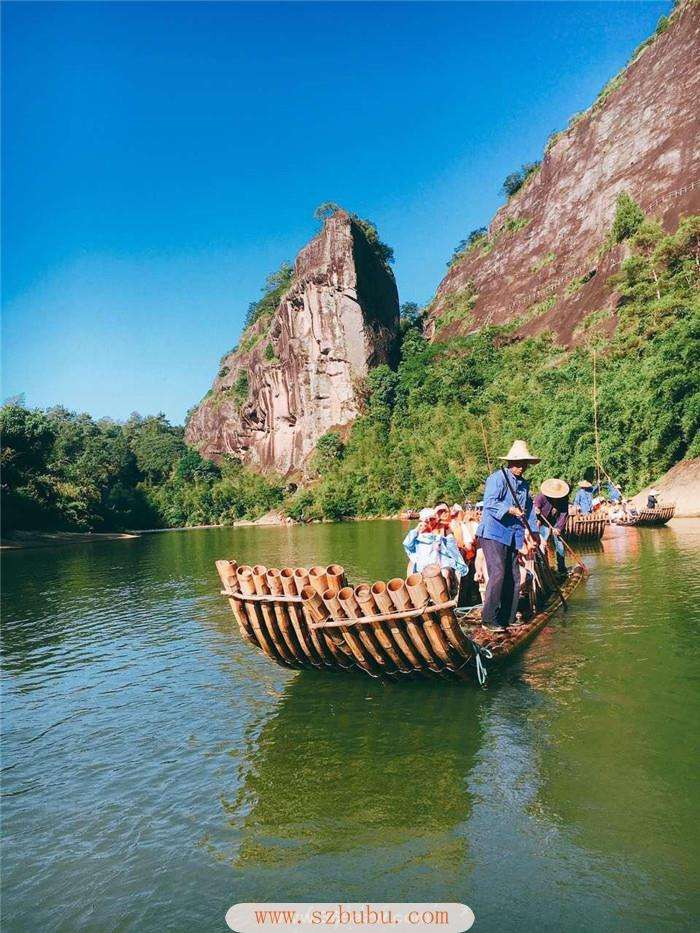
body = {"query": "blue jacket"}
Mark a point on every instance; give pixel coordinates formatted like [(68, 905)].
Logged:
[(584, 500), (497, 524), (426, 547)]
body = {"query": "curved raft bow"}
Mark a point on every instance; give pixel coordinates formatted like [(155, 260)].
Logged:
[(402, 629)]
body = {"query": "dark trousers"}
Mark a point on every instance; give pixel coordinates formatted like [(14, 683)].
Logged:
[(503, 587)]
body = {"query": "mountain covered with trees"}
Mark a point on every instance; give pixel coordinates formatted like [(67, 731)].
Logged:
[(590, 270)]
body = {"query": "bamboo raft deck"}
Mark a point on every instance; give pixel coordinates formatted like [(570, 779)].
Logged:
[(400, 629), (650, 517), (585, 527)]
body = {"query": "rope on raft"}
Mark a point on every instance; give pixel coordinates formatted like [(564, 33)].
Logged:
[(479, 652), (261, 598)]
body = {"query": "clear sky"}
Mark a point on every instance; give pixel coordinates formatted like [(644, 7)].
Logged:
[(160, 159)]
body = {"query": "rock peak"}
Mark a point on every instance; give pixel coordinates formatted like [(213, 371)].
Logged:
[(294, 375)]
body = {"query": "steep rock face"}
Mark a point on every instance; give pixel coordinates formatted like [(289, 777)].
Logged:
[(294, 376), (542, 263)]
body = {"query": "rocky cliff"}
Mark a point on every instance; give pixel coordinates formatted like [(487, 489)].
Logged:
[(293, 376), (542, 263)]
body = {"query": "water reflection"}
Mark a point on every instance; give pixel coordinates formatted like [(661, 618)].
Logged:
[(354, 773)]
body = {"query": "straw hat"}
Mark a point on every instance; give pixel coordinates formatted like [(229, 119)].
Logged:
[(584, 484), (426, 514), (555, 488), (441, 507), (519, 451), (653, 492)]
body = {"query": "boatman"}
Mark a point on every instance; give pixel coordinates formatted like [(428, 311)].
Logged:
[(583, 500), (552, 504), (502, 535), (652, 498)]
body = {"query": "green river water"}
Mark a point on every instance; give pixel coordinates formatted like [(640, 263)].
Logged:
[(157, 770)]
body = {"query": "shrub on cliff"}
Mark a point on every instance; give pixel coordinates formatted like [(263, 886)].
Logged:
[(517, 179), (628, 217), (276, 284)]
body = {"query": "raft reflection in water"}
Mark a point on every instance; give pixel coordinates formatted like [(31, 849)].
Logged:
[(349, 766)]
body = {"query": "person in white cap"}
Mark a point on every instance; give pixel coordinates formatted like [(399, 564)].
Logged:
[(652, 498), (502, 534), (429, 544)]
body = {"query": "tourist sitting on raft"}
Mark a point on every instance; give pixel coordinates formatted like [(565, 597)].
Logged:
[(508, 511), (552, 507), (432, 542), (583, 500)]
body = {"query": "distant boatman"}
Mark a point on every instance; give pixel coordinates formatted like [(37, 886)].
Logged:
[(652, 498), (552, 503), (583, 500), (502, 535)]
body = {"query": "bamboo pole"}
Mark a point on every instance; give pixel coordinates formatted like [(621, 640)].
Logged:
[(274, 584), (335, 575), (418, 597), (382, 632), (351, 608), (297, 617), (318, 579), (384, 604), (437, 588), (325, 649), (247, 586), (400, 598), (227, 574), (330, 598), (268, 614)]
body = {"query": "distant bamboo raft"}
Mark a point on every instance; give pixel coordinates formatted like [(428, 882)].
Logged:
[(581, 527), (657, 516), (396, 630)]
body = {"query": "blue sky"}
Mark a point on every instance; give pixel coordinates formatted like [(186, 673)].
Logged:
[(160, 159)]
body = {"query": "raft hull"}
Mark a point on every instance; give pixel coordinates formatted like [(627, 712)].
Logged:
[(585, 527), (648, 517), (400, 630)]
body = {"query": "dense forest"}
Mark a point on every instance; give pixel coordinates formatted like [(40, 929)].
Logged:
[(427, 427)]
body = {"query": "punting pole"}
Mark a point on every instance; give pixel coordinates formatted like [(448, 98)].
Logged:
[(383, 603), (261, 588), (368, 607), (297, 617), (247, 587), (351, 608), (563, 539), (227, 574)]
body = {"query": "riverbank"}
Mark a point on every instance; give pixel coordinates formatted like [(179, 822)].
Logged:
[(28, 539)]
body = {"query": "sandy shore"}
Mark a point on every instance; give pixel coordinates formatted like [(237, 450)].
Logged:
[(27, 539)]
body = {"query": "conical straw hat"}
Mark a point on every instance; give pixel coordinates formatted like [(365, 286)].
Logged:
[(555, 488), (584, 484), (519, 451)]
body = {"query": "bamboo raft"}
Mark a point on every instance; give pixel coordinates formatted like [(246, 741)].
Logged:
[(400, 629), (585, 527), (650, 517)]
